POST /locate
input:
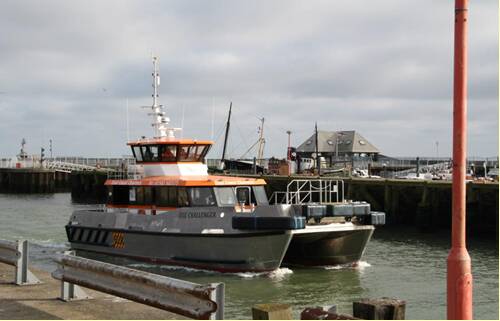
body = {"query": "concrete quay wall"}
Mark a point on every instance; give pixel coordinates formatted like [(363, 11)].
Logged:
[(28, 180), (421, 203)]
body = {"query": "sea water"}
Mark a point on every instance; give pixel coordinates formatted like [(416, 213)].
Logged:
[(398, 262)]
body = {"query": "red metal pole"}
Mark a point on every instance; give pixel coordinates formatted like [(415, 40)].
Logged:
[(459, 278)]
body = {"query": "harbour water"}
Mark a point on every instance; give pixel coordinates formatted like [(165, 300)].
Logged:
[(398, 262)]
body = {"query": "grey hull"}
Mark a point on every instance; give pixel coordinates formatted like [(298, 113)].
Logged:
[(238, 253), (194, 237), (331, 244)]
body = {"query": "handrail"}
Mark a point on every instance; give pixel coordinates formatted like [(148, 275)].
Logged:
[(185, 298)]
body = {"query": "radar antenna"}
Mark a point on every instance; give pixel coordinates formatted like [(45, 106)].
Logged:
[(160, 121)]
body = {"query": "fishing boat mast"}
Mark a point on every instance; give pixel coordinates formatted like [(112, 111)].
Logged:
[(225, 137)]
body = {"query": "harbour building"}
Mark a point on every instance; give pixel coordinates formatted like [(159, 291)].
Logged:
[(347, 144)]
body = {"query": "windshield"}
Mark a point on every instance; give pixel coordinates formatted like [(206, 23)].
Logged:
[(225, 196)]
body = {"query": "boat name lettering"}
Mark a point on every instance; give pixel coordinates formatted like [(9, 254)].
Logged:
[(197, 214)]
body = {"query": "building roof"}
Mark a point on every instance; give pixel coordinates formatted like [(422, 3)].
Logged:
[(349, 141)]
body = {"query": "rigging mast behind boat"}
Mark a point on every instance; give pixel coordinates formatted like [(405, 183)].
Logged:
[(222, 161)]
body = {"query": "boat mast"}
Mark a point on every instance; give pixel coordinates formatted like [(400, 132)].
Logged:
[(227, 133), (262, 142), (318, 160), (160, 121)]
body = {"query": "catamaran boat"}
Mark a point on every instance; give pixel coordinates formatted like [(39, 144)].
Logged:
[(174, 213), (171, 211)]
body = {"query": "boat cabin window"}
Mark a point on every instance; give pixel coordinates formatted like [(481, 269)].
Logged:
[(201, 196), (182, 197), (166, 196), (225, 196), (192, 153), (170, 153), (260, 195), (118, 195), (243, 195), (150, 153), (137, 153)]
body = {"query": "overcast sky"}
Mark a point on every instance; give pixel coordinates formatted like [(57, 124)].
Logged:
[(382, 68)]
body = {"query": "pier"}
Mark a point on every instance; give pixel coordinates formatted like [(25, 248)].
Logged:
[(33, 180), (41, 302), (422, 203)]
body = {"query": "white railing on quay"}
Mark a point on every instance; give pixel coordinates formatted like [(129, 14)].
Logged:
[(17, 254), (181, 297)]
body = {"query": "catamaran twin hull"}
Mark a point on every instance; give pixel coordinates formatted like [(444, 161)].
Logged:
[(206, 239), (328, 244)]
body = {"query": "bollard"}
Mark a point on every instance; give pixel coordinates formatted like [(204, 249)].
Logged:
[(271, 311), (324, 313), (379, 309)]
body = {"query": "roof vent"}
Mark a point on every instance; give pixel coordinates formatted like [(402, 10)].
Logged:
[(362, 142)]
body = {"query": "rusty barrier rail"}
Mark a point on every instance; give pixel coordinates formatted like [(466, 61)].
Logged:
[(16, 253), (181, 297)]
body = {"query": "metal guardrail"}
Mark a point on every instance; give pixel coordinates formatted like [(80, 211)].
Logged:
[(17, 255), (69, 167), (185, 298), (300, 191)]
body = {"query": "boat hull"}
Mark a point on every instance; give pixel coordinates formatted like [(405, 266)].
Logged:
[(331, 244), (224, 253), (194, 237)]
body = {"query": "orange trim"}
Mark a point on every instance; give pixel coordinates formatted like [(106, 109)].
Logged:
[(170, 141), (188, 181), (168, 163)]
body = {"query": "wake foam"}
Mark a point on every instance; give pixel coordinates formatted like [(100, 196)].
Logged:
[(361, 265)]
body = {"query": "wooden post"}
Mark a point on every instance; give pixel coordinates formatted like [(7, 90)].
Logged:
[(395, 204), (272, 311), (320, 313), (387, 198), (379, 309)]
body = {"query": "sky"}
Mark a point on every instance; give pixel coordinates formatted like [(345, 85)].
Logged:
[(383, 68)]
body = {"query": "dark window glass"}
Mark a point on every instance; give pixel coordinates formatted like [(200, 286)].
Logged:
[(201, 196), (150, 153), (146, 154), (137, 153), (225, 196), (192, 153), (182, 197), (243, 195), (168, 153), (154, 153), (162, 196), (118, 195), (166, 196), (172, 196), (148, 195), (260, 195), (139, 195)]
